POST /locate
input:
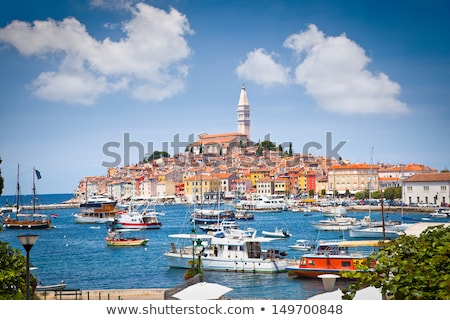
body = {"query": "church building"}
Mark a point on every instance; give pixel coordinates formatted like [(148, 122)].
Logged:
[(222, 143)]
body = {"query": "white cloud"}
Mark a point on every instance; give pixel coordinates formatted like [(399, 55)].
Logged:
[(261, 68), (333, 71), (149, 62)]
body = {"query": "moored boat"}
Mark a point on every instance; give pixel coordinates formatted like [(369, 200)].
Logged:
[(136, 220), (277, 233), (117, 238), (334, 257), (230, 254), (302, 245)]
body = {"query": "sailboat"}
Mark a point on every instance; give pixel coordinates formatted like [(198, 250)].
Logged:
[(338, 221), (26, 220), (374, 229)]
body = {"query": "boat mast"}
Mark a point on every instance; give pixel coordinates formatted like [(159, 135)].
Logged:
[(370, 186), (17, 193), (34, 194)]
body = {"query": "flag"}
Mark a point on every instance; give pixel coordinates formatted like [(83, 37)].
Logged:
[(38, 174)]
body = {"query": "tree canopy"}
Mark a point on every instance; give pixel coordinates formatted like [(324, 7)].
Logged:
[(409, 268), (13, 273), (1, 179)]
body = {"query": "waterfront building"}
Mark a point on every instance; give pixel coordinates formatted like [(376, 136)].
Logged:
[(352, 177), (427, 188), (393, 175)]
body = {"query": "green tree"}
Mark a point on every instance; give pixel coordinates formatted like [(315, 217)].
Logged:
[(13, 273), (409, 267), (268, 145), (157, 155)]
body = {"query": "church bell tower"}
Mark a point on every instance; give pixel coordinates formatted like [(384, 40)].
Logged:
[(243, 113)]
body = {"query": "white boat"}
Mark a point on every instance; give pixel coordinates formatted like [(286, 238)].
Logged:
[(390, 232), (136, 220), (210, 216), (336, 224), (263, 204), (440, 213), (302, 245), (278, 233), (95, 215), (96, 201), (232, 254), (335, 211), (51, 287)]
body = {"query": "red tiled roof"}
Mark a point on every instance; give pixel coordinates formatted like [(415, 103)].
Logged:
[(429, 177)]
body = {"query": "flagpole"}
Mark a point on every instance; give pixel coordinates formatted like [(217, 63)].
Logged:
[(34, 193)]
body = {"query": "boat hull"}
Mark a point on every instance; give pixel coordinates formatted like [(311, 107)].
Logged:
[(126, 242), (24, 224), (176, 260)]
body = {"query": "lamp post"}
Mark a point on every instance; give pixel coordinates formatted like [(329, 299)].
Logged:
[(198, 251), (193, 238), (27, 241)]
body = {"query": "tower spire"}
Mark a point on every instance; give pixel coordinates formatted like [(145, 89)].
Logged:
[(243, 113)]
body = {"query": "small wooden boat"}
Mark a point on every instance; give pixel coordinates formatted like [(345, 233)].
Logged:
[(118, 239)]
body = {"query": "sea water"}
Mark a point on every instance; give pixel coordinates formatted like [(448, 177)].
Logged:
[(78, 254)]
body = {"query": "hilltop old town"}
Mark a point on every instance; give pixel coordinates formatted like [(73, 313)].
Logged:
[(231, 165)]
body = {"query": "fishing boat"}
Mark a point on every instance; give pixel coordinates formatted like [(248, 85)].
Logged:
[(133, 219), (230, 254), (334, 257), (18, 220)]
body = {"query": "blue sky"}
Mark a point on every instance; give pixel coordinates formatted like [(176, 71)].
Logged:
[(77, 75)]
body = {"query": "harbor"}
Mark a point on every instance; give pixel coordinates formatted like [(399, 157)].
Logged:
[(78, 254)]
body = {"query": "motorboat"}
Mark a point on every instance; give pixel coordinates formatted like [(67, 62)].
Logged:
[(302, 245), (210, 216), (52, 287), (97, 201), (389, 232), (241, 214), (230, 254), (95, 215), (336, 224), (277, 233), (263, 204), (136, 220), (334, 257), (440, 213)]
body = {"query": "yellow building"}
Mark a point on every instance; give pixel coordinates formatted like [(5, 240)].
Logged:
[(352, 177)]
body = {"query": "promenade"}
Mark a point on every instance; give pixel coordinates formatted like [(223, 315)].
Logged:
[(119, 294)]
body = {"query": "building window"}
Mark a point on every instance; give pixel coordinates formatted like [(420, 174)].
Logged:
[(426, 188), (443, 188)]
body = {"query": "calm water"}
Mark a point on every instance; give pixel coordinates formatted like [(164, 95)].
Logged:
[(78, 254)]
